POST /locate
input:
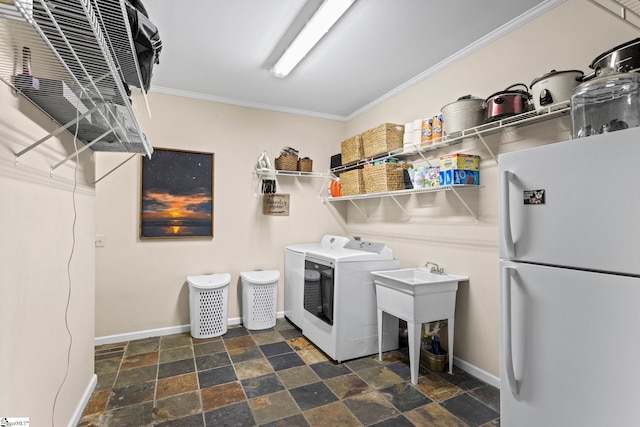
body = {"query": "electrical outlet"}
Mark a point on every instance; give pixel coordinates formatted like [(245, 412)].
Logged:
[(100, 240)]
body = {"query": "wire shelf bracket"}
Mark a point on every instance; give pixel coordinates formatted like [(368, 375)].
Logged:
[(114, 169), (56, 132)]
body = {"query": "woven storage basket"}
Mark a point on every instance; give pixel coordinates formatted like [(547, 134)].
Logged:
[(352, 182), (352, 150), (382, 139), (305, 165), (287, 162), (384, 177)]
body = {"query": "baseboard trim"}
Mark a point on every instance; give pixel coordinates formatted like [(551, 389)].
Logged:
[(130, 336), (477, 372), (86, 396)]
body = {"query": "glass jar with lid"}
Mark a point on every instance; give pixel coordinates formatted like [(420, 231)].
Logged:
[(608, 103)]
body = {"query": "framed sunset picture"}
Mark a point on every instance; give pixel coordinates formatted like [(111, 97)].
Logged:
[(176, 195)]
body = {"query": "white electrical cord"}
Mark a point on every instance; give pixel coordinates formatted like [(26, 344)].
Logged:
[(73, 246)]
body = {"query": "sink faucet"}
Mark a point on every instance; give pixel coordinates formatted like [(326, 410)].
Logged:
[(435, 268)]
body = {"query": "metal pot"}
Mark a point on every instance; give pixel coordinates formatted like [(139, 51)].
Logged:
[(508, 102), (554, 87), (620, 59), (467, 112)]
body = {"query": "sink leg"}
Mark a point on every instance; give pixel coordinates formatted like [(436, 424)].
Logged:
[(415, 329), (380, 335), (450, 329)]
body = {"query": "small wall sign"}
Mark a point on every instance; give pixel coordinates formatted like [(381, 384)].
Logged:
[(275, 204)]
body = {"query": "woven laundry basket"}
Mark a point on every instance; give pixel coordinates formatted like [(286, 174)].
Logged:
[(352, 150), (384, 177), (305, 165), (286, 162), (382, 139), (352, 182)]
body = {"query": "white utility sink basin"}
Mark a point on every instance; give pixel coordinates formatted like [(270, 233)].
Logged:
[(417, 295), (417, 280)]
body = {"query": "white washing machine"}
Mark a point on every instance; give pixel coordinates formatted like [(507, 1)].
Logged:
[(340, 315), (294, 274)]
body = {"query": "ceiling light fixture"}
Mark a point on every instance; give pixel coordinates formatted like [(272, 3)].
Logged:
[(319, 24)]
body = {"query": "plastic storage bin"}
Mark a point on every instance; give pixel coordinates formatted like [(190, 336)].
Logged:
[(208, 304), (259, 298)]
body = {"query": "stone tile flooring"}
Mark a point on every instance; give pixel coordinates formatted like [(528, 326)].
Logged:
[(274, 377)]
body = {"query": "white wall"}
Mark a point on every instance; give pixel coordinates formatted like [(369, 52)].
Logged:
[(36, 240), (569, 36), (141, 284)]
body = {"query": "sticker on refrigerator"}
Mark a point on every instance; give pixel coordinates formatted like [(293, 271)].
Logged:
[(533, 197)]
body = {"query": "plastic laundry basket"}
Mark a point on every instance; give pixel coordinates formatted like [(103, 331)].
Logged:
[(208, 302), (259, 298)]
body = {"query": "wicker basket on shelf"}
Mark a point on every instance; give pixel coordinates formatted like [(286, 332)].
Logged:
[(286, 162), (305, 165), (352, 150), (352, 182), (382, 139), (384, 177)]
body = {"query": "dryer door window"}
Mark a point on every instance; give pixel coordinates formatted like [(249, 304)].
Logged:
[(319, 290)]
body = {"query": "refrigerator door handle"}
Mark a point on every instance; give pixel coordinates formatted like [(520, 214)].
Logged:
[(507, 356), (507, 238)]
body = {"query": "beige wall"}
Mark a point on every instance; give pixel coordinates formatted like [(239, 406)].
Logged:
[(440, 229), (141, 284), (36, 229)]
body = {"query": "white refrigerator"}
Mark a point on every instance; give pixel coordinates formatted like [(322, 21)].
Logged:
[(570, 283)]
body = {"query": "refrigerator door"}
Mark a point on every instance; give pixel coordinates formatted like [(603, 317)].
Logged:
[(574, 203), (569, 347)]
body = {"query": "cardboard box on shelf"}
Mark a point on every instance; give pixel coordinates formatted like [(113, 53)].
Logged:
[(460, 161), (459, 176)]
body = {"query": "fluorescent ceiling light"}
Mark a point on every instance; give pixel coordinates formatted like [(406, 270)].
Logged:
[(319, 24)]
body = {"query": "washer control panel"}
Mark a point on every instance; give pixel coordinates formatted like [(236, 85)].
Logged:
[(365, 246)]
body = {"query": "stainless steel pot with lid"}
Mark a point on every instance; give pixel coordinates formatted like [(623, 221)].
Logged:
[(467, 112), (554, 87)]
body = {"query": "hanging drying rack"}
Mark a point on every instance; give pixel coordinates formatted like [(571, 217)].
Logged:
[(69, 58)]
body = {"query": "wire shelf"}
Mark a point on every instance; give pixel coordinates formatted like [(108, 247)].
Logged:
[(481, 131), (402, 192), (272, 172), (68, 57)]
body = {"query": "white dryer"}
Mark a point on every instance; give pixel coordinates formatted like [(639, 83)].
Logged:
[(340, 315), (294, 273)]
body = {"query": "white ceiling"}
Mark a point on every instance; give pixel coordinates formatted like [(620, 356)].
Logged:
[(222, 50)]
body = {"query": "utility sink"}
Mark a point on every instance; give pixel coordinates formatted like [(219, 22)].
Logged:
[(417, 295), (417, 281)]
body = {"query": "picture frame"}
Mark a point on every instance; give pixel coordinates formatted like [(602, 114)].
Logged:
[(176, 194)]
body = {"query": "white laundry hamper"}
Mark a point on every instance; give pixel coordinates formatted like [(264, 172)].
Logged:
[(208, 304), (259, 298)]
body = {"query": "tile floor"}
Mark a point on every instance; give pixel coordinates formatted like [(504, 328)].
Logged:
[(274, 377)]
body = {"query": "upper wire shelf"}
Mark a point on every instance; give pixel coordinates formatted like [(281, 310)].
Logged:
[(68, 57), (481, 131), (271, 172)]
